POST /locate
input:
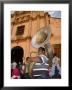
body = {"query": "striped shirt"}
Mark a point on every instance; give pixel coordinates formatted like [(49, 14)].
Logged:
[(40, 70)]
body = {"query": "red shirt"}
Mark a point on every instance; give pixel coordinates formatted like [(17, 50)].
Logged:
[(15, 72)]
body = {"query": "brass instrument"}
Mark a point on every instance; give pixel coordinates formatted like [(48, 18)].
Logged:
[(42, 39)]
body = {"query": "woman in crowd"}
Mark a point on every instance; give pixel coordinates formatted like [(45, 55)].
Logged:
[(15, 71), (56, 69)]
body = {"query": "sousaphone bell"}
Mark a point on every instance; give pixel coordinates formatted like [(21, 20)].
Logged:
[(42, 39)]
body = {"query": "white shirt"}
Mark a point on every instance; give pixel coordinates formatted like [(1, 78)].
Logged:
[(44, 58), (55, 60)]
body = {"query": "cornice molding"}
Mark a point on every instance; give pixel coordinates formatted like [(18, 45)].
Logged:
[(20, 38), (23, 19)]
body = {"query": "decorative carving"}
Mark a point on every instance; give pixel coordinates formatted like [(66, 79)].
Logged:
[(23, 18)]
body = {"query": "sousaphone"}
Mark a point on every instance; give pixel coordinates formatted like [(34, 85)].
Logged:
[(42, 39)]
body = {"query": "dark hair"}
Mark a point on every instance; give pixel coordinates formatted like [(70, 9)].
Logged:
[(27, 58), (41, 48), (54, 54)]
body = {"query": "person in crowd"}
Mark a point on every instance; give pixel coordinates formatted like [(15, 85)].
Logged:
[(22, 71), (28, 61), (41, 54), (56, 73), (15, 71), (56, 69), (40, 68)]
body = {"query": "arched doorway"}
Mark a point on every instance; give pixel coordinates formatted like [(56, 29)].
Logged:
[(17, 54)]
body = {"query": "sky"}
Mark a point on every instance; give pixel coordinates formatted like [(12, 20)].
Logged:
[(56, 14)]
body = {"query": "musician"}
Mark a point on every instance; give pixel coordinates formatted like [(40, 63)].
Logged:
[(41, 53), (40, 68)]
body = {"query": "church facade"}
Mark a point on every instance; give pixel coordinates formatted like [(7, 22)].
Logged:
[(25, 24)]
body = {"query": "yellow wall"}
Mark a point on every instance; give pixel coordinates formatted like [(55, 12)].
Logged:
[(31, 27)]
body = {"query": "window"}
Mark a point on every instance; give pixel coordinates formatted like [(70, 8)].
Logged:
[(20, 30)]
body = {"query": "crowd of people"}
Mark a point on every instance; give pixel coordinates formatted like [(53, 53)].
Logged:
[(38, 69)]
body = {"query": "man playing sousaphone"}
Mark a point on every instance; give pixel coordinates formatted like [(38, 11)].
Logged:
[(39, 69), (42, 37)]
